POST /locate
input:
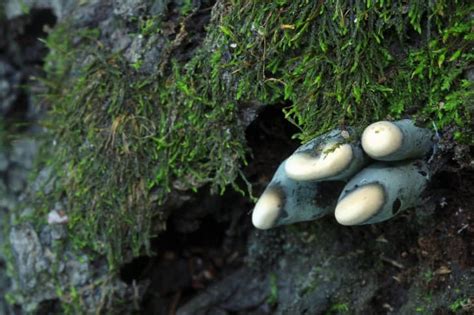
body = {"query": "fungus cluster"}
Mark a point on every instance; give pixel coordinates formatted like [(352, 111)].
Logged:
[(363, 181)]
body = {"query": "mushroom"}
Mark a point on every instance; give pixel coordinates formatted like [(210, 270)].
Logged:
[(305, 186), (381, 191), (287, 201), (328, 157), (397, 140)]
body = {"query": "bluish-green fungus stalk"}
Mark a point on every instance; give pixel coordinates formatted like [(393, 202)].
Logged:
[(396, 141), (381, 191), (286, 201)]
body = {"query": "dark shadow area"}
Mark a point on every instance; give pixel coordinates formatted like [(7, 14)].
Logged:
[(206, 238), (21, 35), (269, 138), (21, 57)]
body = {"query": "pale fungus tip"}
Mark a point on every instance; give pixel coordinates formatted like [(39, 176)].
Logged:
[(360, 205), (267, 209), (381, 139), (333, 159)]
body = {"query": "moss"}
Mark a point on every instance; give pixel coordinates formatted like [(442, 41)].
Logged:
[(338, 308), (272, 298), (459, 304), (8, 260), (342, 62), (125, 139)]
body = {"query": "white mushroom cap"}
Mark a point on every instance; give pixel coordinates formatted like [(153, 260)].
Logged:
[(381, 139), (267, 210), (359, 205), (333, 159)]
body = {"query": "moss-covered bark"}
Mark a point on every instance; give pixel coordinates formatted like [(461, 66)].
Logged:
[(121, 139)]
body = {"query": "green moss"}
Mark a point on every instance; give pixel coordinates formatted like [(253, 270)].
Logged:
[(8, 259), (25, 8), (339, 62), (126, 140), (338, 308), (459, 304), (272, 298), (427, 276)]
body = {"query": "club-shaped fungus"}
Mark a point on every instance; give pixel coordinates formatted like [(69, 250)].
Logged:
[(396, 141), (287, 201), (305, 186), (381, 191)]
